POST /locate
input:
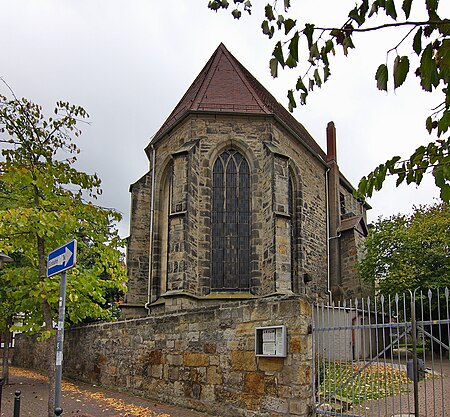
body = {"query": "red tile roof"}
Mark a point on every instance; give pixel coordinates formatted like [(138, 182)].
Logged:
[(224, 85)]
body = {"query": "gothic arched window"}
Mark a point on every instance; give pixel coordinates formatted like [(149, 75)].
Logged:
[(230, 223)]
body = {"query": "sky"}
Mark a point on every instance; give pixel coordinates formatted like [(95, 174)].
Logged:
[(129, 62)]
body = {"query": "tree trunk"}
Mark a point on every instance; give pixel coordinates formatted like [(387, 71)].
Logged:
[(50, 343), (6, 342), (50, 349)]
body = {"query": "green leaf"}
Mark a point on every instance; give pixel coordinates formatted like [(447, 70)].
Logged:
[(429, 124), (428, 70), (347, 44), (444, 122), (326, 73), (236, 13), (269, 12), (329, 45), (293, 47), (278, 54), (292, 103), (273, 67), (390, 9), (417, 42), (432, 5), (314, 53), (303, 98), (287, 4), (406, 6), (374, 8), (288, 25), (308, 32), (444, 29), (280, 21), (300, 85), (291, 62), (354, 15), (382, 77), (401, 69), (267, 29), (362, 186), (443, 58), (317, 78)]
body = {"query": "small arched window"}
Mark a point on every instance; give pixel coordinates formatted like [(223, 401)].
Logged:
[(230, 223)]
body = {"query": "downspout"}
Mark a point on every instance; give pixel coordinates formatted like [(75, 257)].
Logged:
[(330, 295), (150, 255)]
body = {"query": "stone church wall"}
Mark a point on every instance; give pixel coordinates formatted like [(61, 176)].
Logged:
[(202, 359), (352, 251), (275, 157)]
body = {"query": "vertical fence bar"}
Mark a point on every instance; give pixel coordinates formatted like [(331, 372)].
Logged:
[(394, 372), (339, 351), (440, 349), (325, 354), (397, 315), (377, 342), (405, 317), (17, 403), (314, 355), (433, 372), (414, 348), (448, 328), (448, 319), (364, 355), (422, 318), (355, 352), (323, 357), (372, 402), (383, 329), (344, 370)]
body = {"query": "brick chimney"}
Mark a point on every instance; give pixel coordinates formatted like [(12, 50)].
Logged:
[(334, 216), (331, 142)]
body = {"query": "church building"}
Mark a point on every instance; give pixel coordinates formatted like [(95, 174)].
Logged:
[(239, 203)]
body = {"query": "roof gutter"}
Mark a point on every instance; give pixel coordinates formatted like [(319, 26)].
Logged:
[(152, 210)]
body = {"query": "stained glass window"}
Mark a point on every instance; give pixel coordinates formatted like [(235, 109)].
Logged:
[(230, 223)]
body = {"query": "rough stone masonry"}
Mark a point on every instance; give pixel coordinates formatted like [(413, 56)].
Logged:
[(202, 359)]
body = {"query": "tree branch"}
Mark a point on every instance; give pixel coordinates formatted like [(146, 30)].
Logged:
[(389, 25)]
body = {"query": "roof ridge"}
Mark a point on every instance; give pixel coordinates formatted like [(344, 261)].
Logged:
[(216, 89)]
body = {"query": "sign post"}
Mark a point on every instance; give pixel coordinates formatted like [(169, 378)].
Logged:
[(58, 262)]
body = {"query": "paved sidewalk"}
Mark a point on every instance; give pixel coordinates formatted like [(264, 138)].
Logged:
[(80, 400)]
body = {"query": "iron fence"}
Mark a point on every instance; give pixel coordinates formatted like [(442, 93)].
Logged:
[(383, 356)]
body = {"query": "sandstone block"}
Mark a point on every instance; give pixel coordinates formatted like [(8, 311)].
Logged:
[(243, 360), (195, 359), (213, 375), (270, 364), (254, 383), (279, 405)]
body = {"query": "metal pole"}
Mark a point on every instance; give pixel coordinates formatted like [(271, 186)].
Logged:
[(414, 353), (17, 404), (60, 340)]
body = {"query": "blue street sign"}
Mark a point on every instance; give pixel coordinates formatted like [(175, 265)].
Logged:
[(62, 258)]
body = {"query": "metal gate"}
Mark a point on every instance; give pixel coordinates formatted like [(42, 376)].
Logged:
[(383, 356)]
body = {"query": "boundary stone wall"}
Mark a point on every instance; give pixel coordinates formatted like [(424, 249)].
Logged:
[(202, 359)]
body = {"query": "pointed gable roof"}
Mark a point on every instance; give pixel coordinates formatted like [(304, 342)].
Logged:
[(224, 85)]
